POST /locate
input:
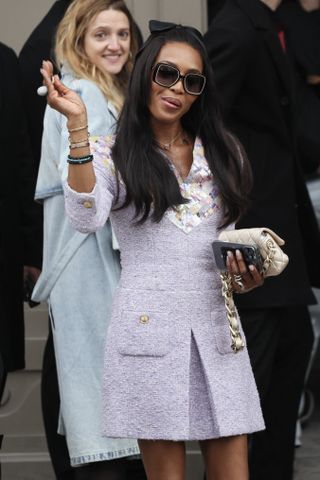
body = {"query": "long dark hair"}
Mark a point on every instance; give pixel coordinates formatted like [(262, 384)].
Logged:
[(150, 183)]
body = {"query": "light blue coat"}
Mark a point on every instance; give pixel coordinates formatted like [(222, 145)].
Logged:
[(80, 273)]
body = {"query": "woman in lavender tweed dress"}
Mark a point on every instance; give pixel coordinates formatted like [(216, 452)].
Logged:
[(172, 178)]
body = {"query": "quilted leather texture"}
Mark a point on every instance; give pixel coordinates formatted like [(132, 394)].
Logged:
[(267, 242)]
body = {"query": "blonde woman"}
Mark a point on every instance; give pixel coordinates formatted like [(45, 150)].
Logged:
[(95, 45)]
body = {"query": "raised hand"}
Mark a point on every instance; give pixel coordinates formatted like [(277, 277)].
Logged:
[(61, 98)]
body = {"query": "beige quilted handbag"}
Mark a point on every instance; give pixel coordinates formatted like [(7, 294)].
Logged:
[(268, 242), (274, 262)]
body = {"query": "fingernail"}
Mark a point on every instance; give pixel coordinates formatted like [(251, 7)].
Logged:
[(238, 253), (229, 254), (251, 267)]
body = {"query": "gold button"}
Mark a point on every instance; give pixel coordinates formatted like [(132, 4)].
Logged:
[(87, 204), (144, 319)]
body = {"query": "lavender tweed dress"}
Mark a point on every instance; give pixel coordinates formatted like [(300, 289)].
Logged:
[(169, 369)]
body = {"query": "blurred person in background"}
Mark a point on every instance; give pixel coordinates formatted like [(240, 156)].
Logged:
[(38, 46), (300, 20), (20, 245), (95, 47), (248, 54)]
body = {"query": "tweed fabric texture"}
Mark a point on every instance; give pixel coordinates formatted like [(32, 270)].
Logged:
[(169, 369)]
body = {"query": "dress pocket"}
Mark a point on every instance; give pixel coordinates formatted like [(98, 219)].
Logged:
[(144, 334), (222, 332)]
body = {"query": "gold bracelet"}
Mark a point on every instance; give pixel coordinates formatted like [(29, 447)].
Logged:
[(78, 129), (78, 141), (79, 144)]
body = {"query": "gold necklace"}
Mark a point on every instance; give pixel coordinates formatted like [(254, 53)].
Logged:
[(167, 146)]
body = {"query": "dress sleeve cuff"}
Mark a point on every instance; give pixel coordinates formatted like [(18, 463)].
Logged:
[(81, 208)]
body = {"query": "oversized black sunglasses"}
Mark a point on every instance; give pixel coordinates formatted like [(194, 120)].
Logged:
[(167, 75)]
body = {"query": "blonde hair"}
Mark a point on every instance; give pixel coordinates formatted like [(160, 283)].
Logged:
[(69, 47)]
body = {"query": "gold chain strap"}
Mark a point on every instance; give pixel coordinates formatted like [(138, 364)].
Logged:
[(270, 254), (237, 343)]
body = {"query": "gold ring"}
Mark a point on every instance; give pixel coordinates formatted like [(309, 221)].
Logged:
[(238, 280)]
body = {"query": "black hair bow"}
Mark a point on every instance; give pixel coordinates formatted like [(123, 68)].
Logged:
[(156, 26)]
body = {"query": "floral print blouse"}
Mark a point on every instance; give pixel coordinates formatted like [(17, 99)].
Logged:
[(198, 187)]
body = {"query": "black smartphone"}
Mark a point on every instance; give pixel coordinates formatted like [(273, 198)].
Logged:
[(250, 253)]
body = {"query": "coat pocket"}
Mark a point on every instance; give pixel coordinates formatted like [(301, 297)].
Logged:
[(222, 332), (144, 334)]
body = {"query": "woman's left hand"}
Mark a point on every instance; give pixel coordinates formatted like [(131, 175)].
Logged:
[(244, 278), (61, 98)]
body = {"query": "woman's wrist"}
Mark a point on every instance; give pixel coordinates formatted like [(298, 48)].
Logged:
[(77, 126), (76, 122), (78, 135), (79, 152)]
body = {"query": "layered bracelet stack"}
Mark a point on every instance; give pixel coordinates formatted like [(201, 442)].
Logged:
[(83, 143), (80, 144)]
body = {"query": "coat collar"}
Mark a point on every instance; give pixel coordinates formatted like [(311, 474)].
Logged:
[(262, 20)]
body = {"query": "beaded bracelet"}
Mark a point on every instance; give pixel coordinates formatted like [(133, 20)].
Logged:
[(79, 160)]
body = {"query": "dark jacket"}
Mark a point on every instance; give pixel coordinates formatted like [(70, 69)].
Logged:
[(38, 47), (18, 231), (254, 80), (302, 32)]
